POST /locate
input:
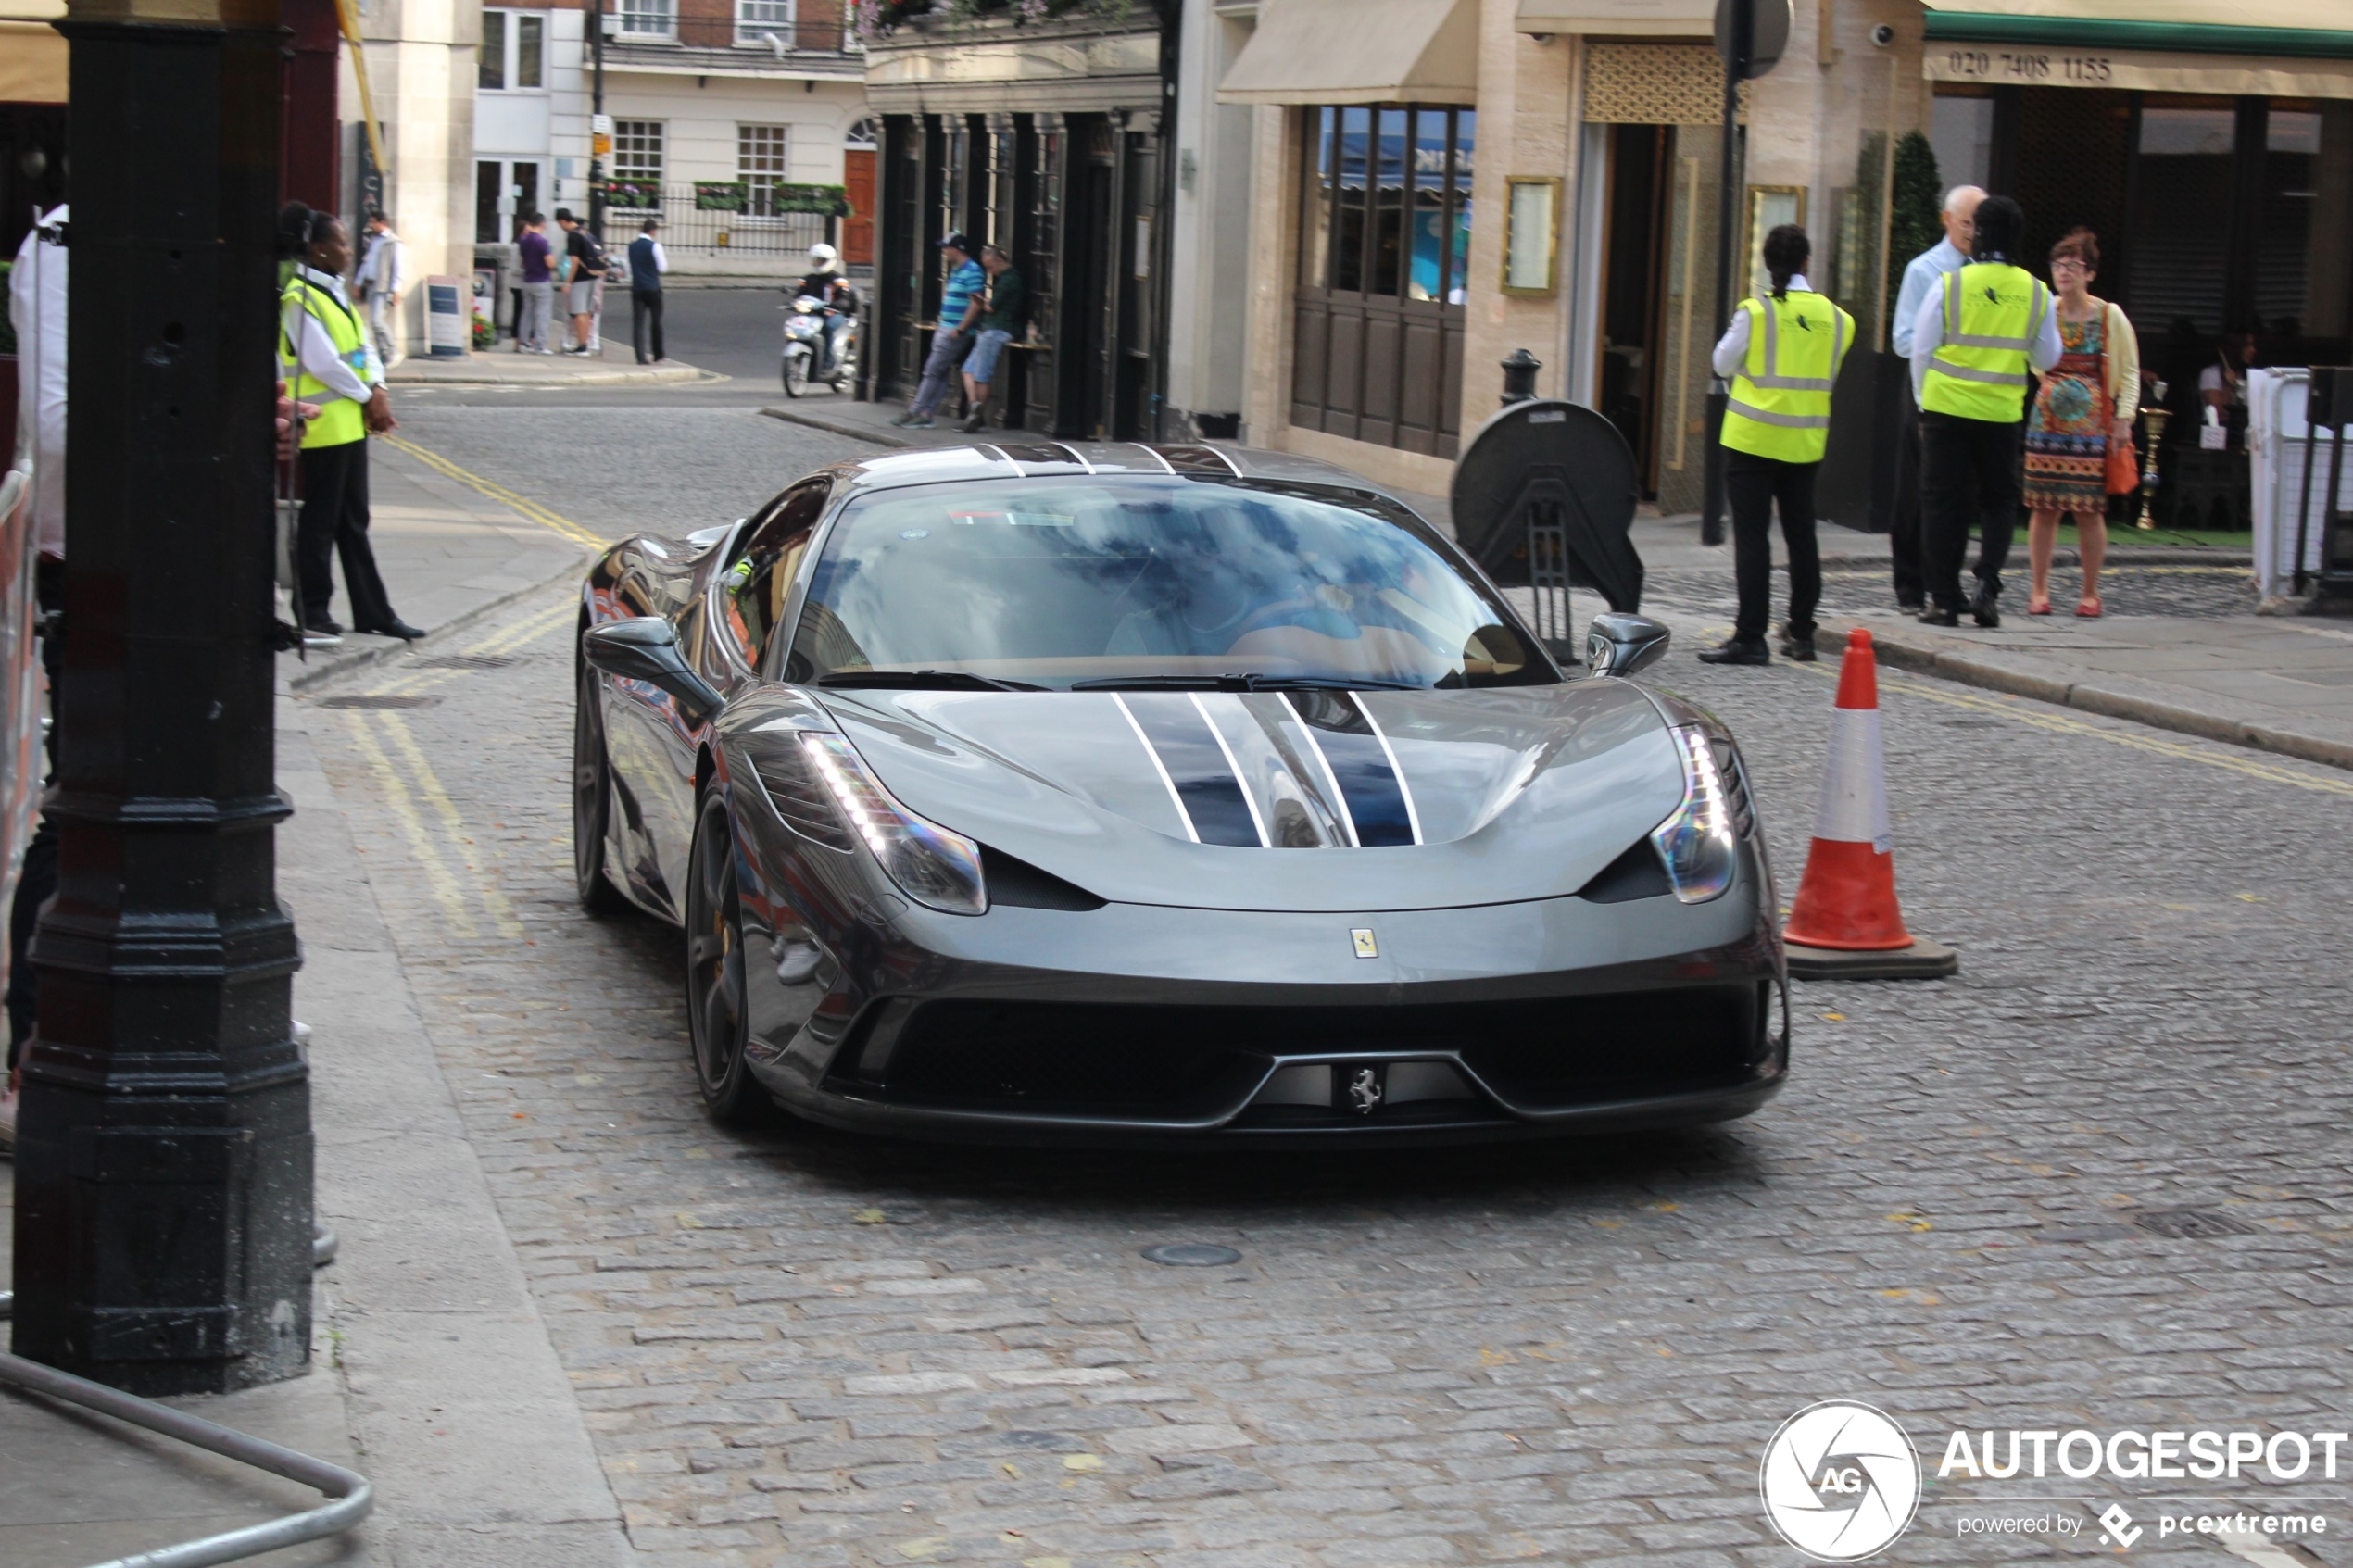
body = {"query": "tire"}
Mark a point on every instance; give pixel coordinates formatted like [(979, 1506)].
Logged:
[(795, 374), (591, 802), (716, 1005)]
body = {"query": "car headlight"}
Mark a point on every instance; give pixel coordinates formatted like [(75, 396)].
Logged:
[(824, 791), (1699, 841)]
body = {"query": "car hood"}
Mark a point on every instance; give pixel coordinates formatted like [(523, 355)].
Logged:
[(1279, 801)]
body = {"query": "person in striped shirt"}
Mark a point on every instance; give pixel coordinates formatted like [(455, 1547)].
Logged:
[(959, 307)]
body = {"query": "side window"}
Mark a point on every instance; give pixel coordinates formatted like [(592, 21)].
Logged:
[(758, 582)]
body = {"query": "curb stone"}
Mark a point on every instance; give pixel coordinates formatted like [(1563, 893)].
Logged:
[(2107, 701), (320, 673)]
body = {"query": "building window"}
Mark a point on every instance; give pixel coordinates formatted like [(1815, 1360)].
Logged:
[(646, 19), (637, 164), (1384, 230), (761, 154), (764, 22), (514, 53)]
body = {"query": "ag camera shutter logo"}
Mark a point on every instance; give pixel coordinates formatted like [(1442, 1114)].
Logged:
[(1840, 1481)]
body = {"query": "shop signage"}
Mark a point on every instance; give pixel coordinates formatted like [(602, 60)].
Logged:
[(2026, 65)]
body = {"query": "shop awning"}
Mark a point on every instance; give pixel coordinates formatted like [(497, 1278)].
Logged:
[(1358, 52), (1619, 19), (2308, 28), (32, 56)]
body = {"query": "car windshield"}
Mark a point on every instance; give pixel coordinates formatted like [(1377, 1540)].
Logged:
[(1101, 581)]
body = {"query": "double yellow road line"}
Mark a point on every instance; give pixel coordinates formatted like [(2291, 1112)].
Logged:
[(553, 521)]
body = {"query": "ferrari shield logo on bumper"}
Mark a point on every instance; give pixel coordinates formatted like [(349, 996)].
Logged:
[(1365, 946)]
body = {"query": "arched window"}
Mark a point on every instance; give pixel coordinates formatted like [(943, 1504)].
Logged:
[(862, 135)]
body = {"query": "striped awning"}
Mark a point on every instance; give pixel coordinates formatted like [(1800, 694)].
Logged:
[(2305, 28)]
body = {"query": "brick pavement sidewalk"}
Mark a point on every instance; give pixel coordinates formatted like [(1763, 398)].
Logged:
[(452, 546), (432, 1372)]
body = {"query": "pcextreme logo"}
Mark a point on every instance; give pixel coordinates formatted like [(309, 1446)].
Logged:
[(1840, 1480)]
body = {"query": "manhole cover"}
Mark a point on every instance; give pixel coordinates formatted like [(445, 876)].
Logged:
[(2190, 1224), (1192, 1255), (468, 661), (378, 699)]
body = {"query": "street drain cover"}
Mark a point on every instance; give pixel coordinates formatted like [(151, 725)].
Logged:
[(378, 699), (1192, 1255), (468, 661), (2189, 1225)]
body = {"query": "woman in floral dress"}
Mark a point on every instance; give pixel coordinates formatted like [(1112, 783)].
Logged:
[(2088, 400)]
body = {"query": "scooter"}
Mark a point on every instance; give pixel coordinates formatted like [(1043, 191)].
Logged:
[(805, 322)]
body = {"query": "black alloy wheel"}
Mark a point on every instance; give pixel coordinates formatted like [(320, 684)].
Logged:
[(797, 373), (591, 800), (716, 1007)]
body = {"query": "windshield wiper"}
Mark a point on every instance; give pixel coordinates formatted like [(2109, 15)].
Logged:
[(923, 681), (1329, 683), (1162, 683), (1244, 682)]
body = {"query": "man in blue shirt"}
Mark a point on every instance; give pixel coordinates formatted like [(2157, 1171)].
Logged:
[(1925, 271), (960, 306)]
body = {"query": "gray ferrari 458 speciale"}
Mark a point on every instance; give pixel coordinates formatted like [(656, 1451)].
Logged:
[(1052, 791)]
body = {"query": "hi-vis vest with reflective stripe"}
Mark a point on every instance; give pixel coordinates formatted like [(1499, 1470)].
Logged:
[(1780, 403), (1992, 314), (339, 421)]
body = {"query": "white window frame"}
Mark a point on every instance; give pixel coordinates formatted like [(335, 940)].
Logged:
[(508, 20), (625, 132), (764, 24), (749, 140), (646, 21)]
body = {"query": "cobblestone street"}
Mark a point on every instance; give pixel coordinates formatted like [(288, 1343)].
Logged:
[(799, 1347)]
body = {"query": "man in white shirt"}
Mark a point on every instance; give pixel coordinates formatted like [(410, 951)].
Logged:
[(37, 307), (383, 275), (1920, 276)]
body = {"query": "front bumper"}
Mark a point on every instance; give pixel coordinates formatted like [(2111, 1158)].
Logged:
[(1135, 1024)]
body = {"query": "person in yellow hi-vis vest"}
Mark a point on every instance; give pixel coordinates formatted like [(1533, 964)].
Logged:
[(1974, 342), (1783, 354), (325, 350)]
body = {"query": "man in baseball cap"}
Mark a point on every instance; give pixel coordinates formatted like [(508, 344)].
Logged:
[(960, 303)]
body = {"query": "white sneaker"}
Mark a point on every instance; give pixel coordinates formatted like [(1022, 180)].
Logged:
[(7, 1119)]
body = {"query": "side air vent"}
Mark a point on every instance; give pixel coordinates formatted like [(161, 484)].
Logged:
[(1018, 885), (1635, 875)]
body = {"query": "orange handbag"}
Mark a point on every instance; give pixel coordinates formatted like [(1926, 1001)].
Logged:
[(2123, 462)]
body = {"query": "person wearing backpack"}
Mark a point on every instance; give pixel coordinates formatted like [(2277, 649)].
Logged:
[(584, 265)]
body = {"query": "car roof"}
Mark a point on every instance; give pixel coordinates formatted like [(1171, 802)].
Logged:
[(1033, 459)]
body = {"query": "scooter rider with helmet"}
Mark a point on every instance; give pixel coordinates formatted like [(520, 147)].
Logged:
[(826, 284)]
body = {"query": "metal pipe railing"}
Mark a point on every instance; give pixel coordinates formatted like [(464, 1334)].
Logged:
[(352, 1497)]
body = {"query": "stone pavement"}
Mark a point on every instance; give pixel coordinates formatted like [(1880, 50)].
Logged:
[(503, 367), (797, 1346), (447, 549)]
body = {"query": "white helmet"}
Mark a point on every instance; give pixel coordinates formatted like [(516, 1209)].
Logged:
[(821, 256)]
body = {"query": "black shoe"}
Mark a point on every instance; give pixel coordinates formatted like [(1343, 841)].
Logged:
[(327, 624), (1739, 650), (975, 425), (1912, 604), (393, 628), (1933, 616), (1798, 646), (1989, 615)]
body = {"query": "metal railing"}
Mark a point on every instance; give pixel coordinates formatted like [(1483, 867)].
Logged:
[(686, 226)]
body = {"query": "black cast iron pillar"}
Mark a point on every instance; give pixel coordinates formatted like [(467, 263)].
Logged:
[(164, 1156)]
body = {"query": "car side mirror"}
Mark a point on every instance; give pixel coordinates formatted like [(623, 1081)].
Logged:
[(1619, 645), (645, 649)]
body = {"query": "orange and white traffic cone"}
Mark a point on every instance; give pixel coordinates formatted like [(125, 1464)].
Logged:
[(1845, 924)]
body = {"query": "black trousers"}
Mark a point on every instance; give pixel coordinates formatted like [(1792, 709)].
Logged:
[(1904, 518), (335, 522), (1971, 471), (645, 325), (1753, 485)]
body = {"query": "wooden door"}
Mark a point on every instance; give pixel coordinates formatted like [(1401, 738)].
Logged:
[(858, 228)]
